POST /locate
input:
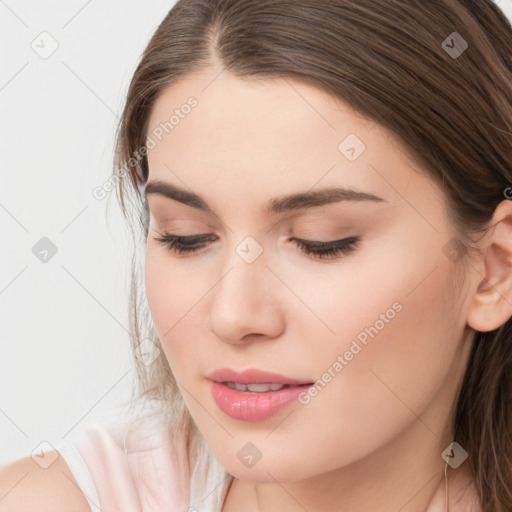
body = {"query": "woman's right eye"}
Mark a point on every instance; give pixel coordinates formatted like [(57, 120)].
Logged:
[(184, 244), (319, 250)]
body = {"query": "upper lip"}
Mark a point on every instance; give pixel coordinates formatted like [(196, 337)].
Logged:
[(253, 376)]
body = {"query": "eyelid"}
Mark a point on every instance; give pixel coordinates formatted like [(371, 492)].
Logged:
[(322, 250)]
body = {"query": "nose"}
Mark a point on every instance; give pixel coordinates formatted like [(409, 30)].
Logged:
[(247, 303)]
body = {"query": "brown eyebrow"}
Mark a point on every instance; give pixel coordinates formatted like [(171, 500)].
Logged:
[(301, 200)]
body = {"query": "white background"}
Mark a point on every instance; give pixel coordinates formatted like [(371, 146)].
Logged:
[(65, 357)]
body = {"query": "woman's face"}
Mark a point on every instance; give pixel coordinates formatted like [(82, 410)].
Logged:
[(376, 324)]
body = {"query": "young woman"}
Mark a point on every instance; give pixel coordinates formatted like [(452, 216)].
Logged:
[(323, 190)]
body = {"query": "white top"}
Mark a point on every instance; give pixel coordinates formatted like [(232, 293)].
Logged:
[(139, 466), (80, 472)]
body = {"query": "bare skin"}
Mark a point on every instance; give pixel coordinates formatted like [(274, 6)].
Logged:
[(372, 438), (24, 485), (462, 495)]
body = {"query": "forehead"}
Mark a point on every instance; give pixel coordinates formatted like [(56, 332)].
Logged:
[(215, 87), (253, 117), (217, 133)]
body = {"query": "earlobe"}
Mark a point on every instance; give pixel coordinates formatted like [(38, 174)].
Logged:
[(491, 304)]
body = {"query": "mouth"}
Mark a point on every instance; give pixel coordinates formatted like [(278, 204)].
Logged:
[(261, 388), (254, 395), (254, 379)]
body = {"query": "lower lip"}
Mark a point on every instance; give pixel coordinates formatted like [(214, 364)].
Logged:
[(247, 406)]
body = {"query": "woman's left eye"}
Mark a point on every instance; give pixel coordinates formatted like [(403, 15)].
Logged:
[(320, 250)]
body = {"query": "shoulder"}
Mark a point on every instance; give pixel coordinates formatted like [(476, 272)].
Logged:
[(24, 485)]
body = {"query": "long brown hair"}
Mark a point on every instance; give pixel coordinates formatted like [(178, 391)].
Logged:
[(447, 96)]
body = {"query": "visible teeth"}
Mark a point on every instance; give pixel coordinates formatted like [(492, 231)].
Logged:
[(275, 387), (255, 388), (262, 388)]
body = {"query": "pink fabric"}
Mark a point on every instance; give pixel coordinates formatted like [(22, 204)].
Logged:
[(153, 476)]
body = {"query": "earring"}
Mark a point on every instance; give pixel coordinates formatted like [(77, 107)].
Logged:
[(446, 485)]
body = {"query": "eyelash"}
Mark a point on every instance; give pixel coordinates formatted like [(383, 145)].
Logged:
[(320, 250)]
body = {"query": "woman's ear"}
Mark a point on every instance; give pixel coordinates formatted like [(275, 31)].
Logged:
[(491, 305)]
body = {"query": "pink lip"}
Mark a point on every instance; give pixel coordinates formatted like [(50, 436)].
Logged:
[(253, 376), (247, 406)]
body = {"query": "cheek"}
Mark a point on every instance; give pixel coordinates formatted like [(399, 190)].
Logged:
[(387, 361), (160, 291), (170, 290), (395, 301), (174, 298)]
